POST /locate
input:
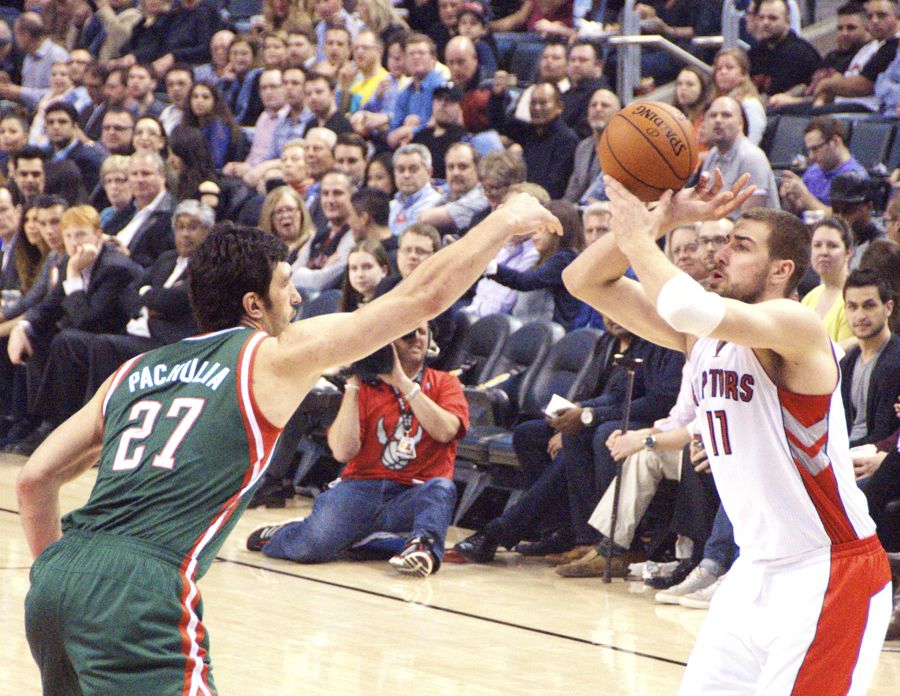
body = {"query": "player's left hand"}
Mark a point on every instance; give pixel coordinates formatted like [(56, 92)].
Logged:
[(708, 200), (631, 219)]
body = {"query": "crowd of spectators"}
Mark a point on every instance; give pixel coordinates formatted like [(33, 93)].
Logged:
[(367, 135)]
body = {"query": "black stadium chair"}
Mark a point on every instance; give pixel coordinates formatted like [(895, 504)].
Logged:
[(326, 302), (483, 345), (870, 142), (451, 346), (787, 141)]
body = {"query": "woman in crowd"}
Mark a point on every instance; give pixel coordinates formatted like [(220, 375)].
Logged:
[(294, 171), (30, 249), (284, 214), (380, 173), (367, 266), (209, 112), (61, 89), (190, 161), (149, 135), (240, 83), (13, 136), (281, 15), (692, 94), (381, 17), (731, 78), (275, 50), (555, 254), (832, 247), (114, 178)]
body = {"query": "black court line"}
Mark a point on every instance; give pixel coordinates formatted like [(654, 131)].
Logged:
[(447, 610), (456, 612)]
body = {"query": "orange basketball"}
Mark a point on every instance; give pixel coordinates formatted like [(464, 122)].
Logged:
[(649, 147)]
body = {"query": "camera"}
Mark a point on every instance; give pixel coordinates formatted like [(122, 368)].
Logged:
[(381, 362)]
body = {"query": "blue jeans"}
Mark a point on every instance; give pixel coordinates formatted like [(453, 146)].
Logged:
[(355, 508), (720, 550)]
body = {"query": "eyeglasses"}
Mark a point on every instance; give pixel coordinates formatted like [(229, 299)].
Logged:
[(717, 241), (813, 149), (285, 211)]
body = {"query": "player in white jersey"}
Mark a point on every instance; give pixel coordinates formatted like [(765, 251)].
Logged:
[(805, 608)]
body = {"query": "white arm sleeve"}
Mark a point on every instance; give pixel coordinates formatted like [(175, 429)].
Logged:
[(688, 308)]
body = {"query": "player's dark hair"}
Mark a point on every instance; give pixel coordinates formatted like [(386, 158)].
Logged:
[(867, 277), (232, 261), (789, 239), (374, 202)]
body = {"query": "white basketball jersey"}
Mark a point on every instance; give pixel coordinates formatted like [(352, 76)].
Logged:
[(781, 460)]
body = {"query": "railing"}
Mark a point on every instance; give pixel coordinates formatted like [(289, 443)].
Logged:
[(630, 41)]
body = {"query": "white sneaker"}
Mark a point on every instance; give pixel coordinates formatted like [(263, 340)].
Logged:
[(697, 580), (700, 599)]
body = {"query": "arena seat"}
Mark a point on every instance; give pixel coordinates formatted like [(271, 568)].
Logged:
[(787, 141), (524, 61), (326, 302), (870, 142), (482, 346), (449, 358)]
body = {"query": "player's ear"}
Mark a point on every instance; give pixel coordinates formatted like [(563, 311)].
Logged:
[(781, 271), (253, 305)]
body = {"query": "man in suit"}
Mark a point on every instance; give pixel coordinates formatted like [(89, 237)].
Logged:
[(61, 122), (159, 311), (94, 276), (9, 226), (603, 105), (144, 228), (870, 371)]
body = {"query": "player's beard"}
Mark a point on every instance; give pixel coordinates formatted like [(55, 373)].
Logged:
[(751, 292)]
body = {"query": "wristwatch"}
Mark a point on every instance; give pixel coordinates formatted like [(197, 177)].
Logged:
[(650, 442), (587, 416)]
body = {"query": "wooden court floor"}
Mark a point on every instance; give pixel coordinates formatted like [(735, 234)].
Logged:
[(512, 627)]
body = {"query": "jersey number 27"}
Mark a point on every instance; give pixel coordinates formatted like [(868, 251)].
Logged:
[(185, 409)]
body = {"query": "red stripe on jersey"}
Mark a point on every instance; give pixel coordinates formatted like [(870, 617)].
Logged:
[(260, 448), (859, 570), (808, 409), (823, 491), (811, 451)]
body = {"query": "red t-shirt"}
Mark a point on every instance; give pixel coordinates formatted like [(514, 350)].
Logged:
[(381, 428)]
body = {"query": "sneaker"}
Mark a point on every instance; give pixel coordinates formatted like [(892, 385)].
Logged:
[(261, 536), (664, 582), (477, 548), (697, 580), (417, 558), (700, 599)]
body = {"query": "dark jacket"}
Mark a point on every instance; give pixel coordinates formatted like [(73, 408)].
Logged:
[(547, 276), (153, 238), (88, 159), (170, 317), (549, 153), (656, 383), (185, 33), (97, 308), (884, 387)]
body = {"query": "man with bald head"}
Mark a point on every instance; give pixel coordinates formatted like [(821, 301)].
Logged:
[(733, 153), (601, 108), (548, 144)]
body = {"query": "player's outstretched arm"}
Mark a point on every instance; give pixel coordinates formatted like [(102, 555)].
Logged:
[(308, 347), (70, 450), (597, 275)]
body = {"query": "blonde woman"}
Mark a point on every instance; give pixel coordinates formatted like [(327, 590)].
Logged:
[(731, 78), (284, 214), (281, 15), (380, 17)]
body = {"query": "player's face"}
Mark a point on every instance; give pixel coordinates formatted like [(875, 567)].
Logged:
[(742, 264), (865, 311), (283, 301)]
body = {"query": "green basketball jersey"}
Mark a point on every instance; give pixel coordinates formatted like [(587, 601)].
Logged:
[(183, 445)]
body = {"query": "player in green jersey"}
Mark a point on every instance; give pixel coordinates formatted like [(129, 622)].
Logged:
[(183, 433)]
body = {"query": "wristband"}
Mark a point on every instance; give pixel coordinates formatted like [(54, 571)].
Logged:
[(413, 393), (352, 387)]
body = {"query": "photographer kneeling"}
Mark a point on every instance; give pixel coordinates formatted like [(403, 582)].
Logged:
[(398, 434)]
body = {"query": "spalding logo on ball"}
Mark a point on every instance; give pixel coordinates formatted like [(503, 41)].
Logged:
[(649, 147)]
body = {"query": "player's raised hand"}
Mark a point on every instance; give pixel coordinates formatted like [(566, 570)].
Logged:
[(708, 200), (630, 217), (526, 215)]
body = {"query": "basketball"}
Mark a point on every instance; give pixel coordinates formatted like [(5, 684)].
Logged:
[(649, 147)]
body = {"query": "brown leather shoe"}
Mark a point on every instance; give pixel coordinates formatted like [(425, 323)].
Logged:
[(593, 565), (568, 556)]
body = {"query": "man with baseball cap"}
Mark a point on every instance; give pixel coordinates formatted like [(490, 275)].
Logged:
[(448, 125), (851, 200)]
